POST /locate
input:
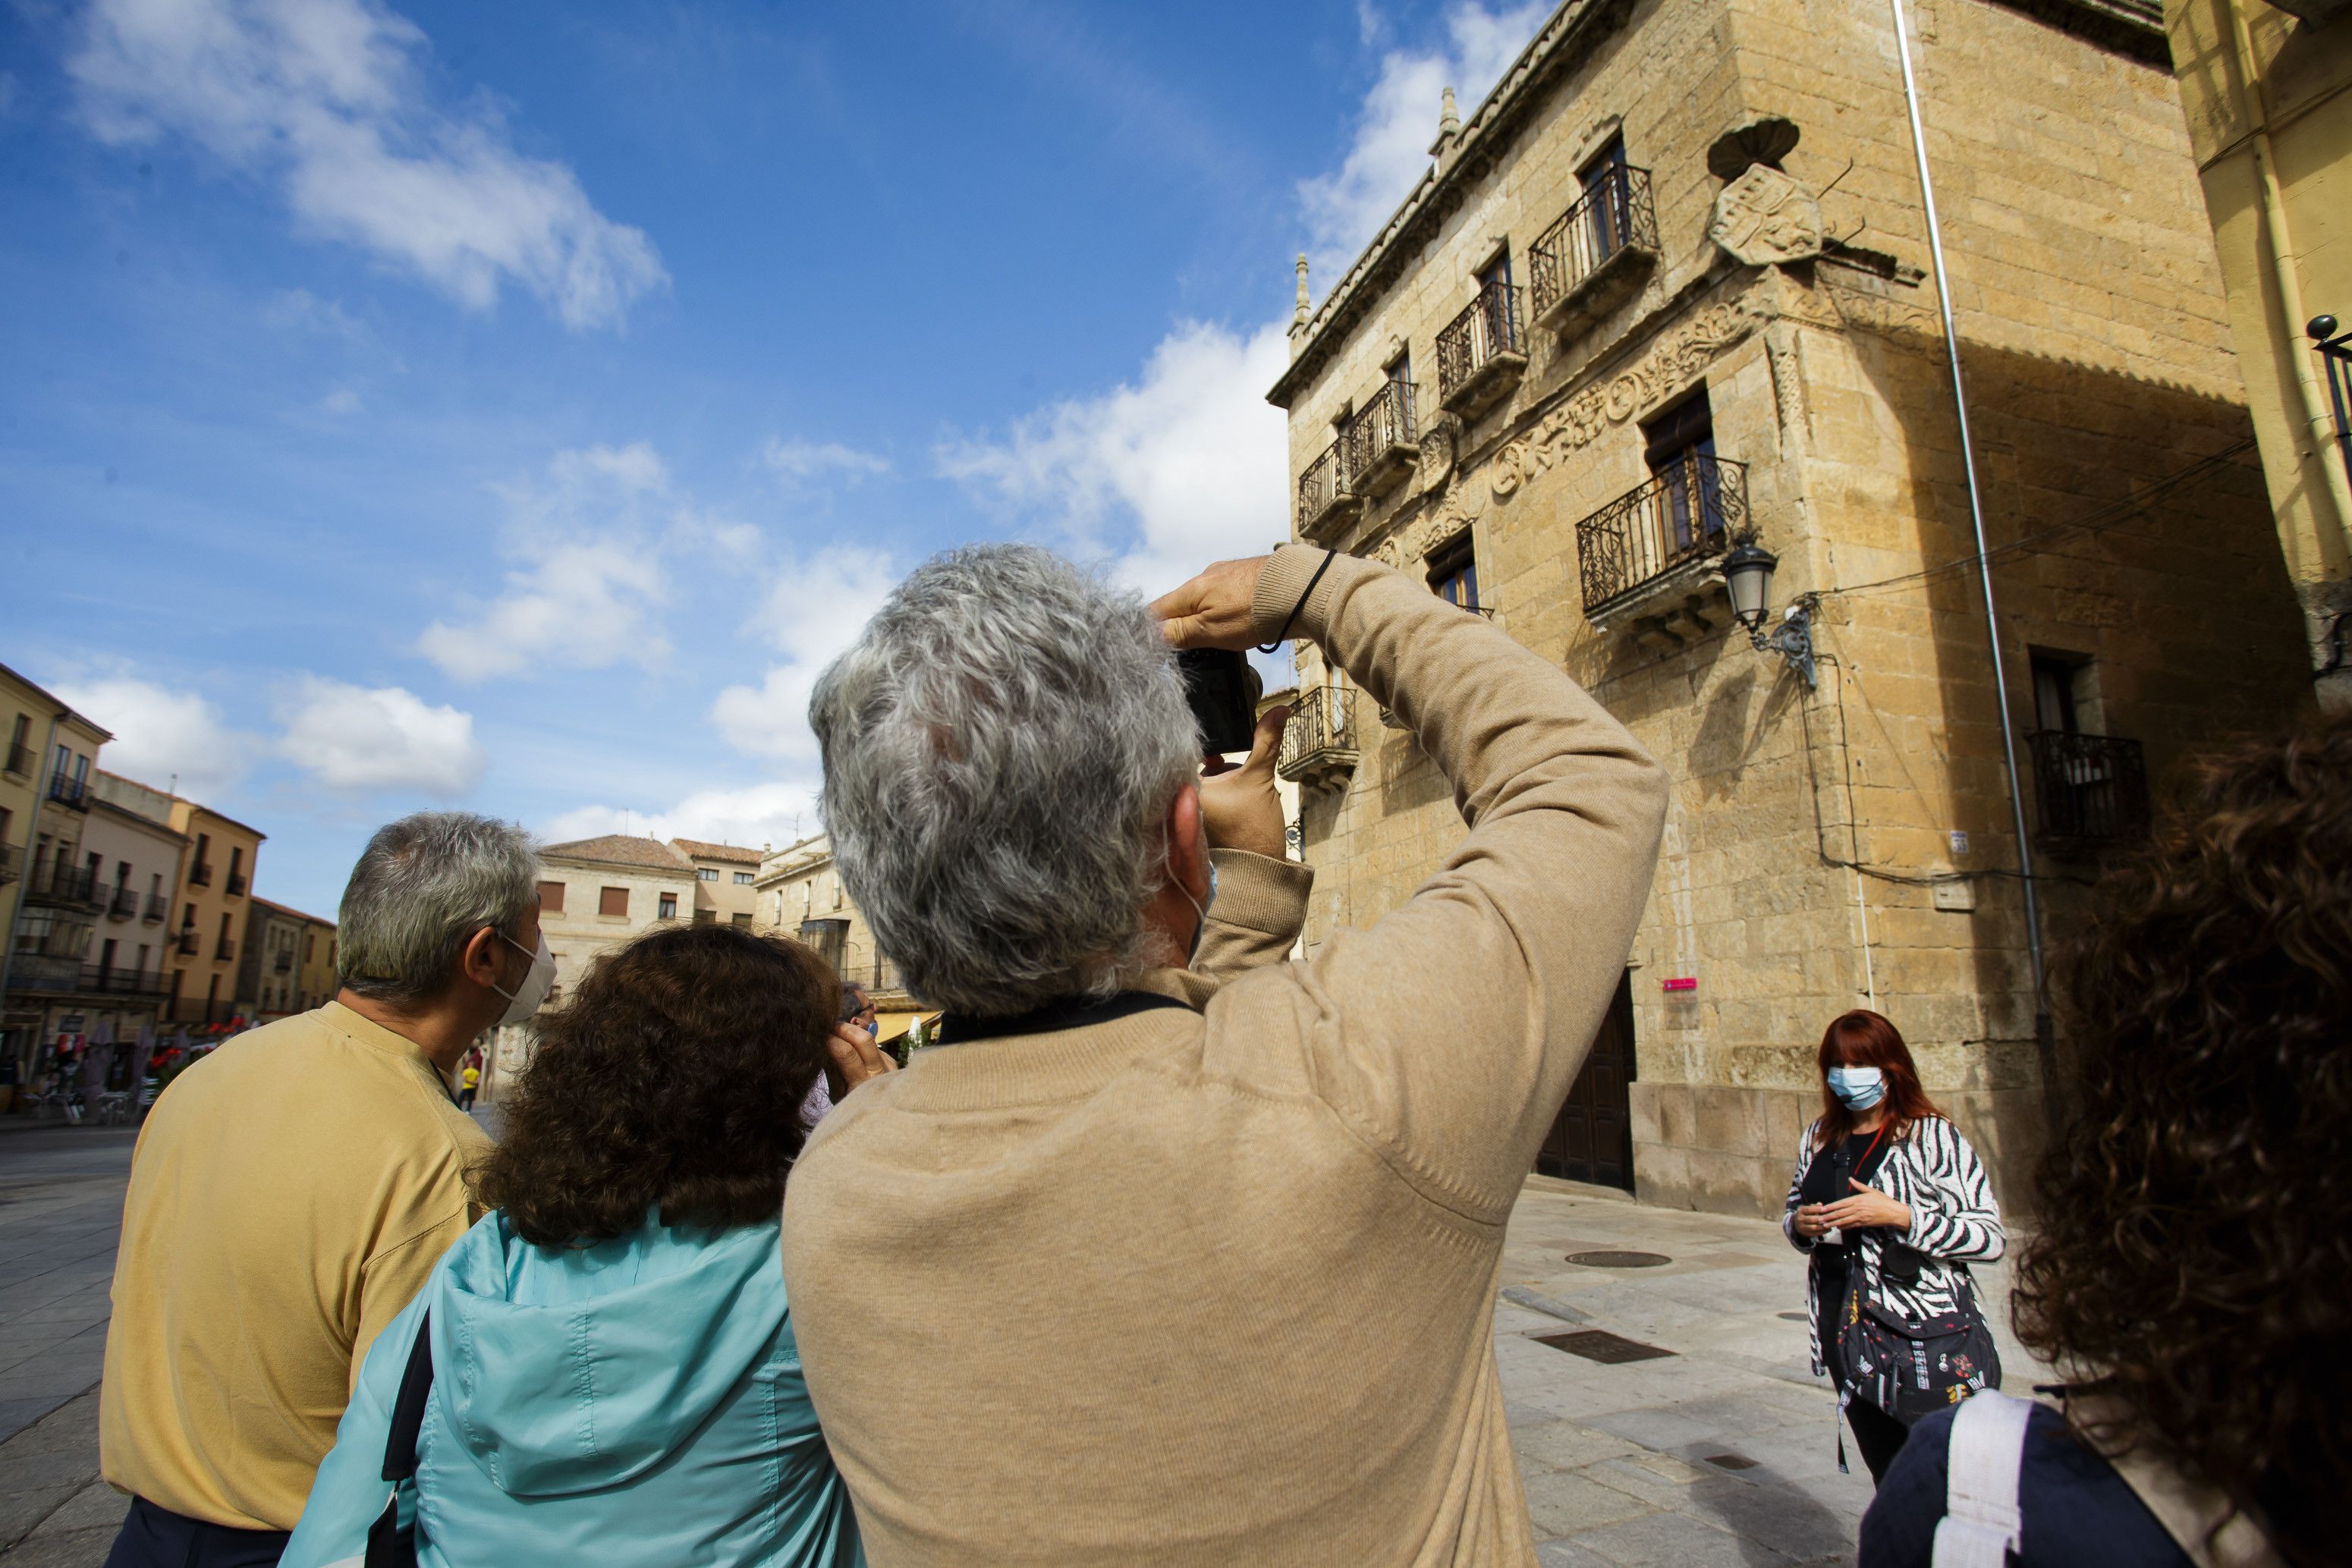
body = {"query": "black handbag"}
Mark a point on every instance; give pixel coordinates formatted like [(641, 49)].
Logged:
[(390, 1543), (1911, 1367)]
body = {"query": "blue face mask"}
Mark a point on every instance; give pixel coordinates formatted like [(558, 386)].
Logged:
[(1859, 1087)]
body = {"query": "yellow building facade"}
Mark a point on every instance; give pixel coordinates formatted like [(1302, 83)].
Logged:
[(52, 886), (2263, 93), (209, 926), (1666, 291)]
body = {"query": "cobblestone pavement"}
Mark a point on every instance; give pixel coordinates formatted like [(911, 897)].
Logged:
[(1720, 1453)]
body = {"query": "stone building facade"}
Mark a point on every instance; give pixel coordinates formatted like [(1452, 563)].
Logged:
[(1666, 290), (215, 885), (725, 879), (799, 892), (50, 877), (2267, 92)]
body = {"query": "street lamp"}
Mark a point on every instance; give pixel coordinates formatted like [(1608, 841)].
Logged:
[(1747, 580)]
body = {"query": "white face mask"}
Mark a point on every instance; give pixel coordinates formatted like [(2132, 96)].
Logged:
[(524, 999)]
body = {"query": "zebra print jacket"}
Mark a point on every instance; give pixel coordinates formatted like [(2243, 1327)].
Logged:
[(1933, 1171)]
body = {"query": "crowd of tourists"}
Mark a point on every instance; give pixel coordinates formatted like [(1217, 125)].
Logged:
[(1179, 1249)]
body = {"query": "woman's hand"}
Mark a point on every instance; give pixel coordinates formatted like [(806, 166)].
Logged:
[(1810, 1223), (853, 1058), (1867, 1209)]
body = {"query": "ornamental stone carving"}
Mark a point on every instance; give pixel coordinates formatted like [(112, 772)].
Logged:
[(1447, 519), (1669, 368), (1765, 216)]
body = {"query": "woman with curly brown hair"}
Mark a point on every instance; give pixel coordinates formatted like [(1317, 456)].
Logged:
[(1893, 1204), (604, 1370), (2192, 1279)]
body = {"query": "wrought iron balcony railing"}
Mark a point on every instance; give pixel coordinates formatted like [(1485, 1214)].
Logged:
[(189, 943), (69, 791), (12, 864), (1325, 502), (1481, 352), (1381, 443), (63, 975), (1318, 744), (22, 761), (1590, 259), (283, 964), (200, 876), (226, 949), (55, 883), (196, 1009), (156, 910), (236, 884), (124, 905), (1690, 511), (2091, 788)]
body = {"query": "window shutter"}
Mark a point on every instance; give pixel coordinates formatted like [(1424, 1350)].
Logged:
[(613, 901), (551, 898)]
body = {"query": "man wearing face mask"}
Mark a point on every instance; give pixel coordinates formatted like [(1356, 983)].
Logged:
[(293, 1192)]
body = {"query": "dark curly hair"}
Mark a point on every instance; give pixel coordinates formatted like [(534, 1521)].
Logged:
[(673, 1077), (2195, 1257)]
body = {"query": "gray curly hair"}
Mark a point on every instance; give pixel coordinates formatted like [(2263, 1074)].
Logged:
[(1000, 747)]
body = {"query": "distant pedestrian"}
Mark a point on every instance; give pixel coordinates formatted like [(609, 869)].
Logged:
[(2191, 1273), (469, 1079), (1892, 1203), (292, 1190), (613, 1376)]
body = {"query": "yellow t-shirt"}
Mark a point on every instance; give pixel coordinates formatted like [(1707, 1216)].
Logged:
[(470, 1077), (289, 1194)]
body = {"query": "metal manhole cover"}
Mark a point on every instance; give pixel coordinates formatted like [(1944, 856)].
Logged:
[(1619, 1260), (1598, 1344)]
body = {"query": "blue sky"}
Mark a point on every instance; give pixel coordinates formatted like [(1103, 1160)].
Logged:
[(513, 406)]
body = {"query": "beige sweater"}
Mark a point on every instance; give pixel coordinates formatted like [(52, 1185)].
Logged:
[(1216, 1286)]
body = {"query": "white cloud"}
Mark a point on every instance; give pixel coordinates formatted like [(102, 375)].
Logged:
[(299, 309), (760, 815), (356, 739), (1346, 208), (1185, 466), (591, 583), (327, 99), (341, 401), (161, 734), (807, 459), (817, 609)]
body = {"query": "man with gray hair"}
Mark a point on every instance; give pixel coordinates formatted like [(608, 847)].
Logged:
[(1190, 1253), (292, 1191)]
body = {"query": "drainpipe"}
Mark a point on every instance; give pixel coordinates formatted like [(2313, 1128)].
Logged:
[(2254, 110), (32, 837), (2044, 1045)]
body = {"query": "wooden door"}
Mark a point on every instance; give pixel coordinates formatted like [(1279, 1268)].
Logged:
[(1592, 1138)]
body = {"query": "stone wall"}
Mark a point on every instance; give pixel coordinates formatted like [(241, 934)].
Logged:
[(2122, 503)]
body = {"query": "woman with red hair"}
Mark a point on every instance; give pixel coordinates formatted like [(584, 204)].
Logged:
[(1893, 1206)]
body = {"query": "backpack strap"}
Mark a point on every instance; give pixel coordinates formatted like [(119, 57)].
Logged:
[(1981, 1524), (390, 1544)]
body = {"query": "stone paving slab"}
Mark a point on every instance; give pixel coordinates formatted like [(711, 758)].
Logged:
[(1720, 1453)]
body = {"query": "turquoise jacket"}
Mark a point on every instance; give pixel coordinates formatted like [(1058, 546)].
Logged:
[(637, 1404)]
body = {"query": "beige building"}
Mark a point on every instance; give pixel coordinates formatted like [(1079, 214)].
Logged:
[(288, 965), (52, 892), (595, 893), (2262, 86), (800, 892), (1666, 291), (216, 886), (128, 832), (725, 879)]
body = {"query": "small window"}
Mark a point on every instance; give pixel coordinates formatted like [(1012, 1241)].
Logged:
[(613, 901), (2060, 691), (742, 920), (668, 907), (1454, 573), (236, 859), (1497, 271), (705, 873), (743, 878), (551, 898)]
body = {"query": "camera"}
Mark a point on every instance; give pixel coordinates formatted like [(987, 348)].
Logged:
[(1222, 691)]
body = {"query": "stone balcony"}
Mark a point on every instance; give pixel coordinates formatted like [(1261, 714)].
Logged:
[(1327, 504), (1482, 353), (1597, 255), (1319, 748)]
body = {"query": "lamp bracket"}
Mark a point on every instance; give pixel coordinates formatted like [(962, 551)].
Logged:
[(1793, 641)]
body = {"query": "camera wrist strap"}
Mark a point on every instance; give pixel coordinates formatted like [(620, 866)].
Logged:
[(1300, 608)]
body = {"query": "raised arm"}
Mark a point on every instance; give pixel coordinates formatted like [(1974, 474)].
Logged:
[(1449, 1031)]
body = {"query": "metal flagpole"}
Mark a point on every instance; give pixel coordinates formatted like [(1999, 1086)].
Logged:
[(2044, 1048)]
